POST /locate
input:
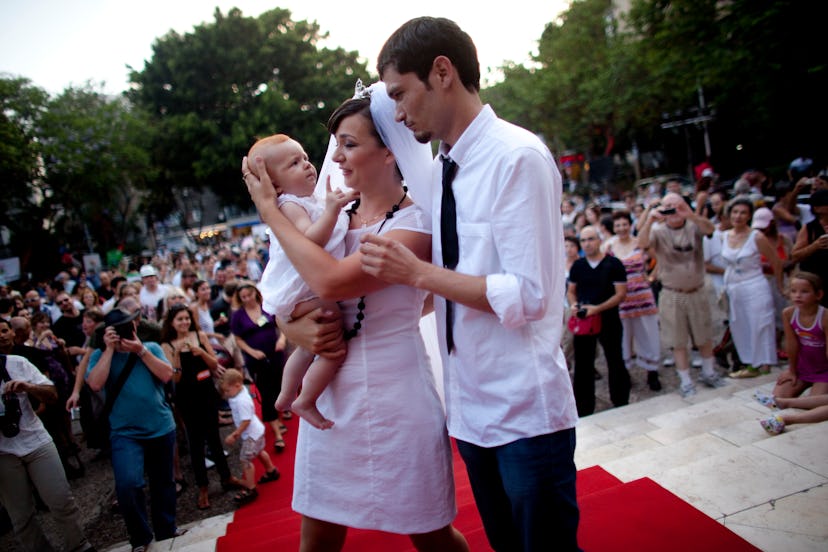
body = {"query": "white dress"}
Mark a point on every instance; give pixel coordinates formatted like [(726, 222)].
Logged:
[(751, 312), (281, 286), (386, 464)]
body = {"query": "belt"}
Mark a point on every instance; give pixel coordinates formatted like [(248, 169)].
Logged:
[(683, 290)]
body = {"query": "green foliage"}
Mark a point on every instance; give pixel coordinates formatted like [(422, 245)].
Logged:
[(22, 106), (96, 162), (761, 63), (211, 92)]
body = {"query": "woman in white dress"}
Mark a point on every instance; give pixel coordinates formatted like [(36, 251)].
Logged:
[(751, 313), (386, 463)]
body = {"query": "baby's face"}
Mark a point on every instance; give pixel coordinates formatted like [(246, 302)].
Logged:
[(289, 169)]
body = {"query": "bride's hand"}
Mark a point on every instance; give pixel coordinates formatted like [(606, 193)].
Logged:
[(258, 183)]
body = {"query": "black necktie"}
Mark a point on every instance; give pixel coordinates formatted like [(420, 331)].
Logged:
[(448, 237)]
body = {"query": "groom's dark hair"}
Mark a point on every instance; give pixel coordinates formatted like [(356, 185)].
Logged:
[(414, 46)]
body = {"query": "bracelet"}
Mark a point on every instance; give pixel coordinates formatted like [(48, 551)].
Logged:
[(143, 351)]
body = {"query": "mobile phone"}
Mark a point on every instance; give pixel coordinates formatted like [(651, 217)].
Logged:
[(581, 313)]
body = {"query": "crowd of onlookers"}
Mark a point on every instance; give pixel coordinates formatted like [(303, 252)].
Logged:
[(195, 317), (703, 268)]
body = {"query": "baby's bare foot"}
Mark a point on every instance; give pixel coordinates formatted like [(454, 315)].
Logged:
[(284, 400), (307, 410)]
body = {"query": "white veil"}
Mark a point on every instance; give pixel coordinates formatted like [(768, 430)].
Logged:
[(415, 161), (413, 158)]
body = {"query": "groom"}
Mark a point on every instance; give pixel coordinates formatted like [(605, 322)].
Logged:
[(497, 276)]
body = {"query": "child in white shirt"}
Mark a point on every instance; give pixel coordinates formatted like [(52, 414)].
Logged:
[(251, 430)]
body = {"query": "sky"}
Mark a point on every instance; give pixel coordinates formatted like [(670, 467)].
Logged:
[(58, 43)]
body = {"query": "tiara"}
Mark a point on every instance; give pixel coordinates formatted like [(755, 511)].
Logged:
[(360, 91)]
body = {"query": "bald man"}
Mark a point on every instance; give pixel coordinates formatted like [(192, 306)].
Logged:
[(674, 233)]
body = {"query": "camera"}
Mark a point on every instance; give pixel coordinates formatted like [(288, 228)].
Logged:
[(126, 330), (581, 313), (10, 420), (670, 211)]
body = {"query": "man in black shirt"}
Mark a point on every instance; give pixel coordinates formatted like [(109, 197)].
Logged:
[(597, 285)]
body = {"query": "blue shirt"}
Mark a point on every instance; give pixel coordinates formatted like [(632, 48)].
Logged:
[(141, 409)]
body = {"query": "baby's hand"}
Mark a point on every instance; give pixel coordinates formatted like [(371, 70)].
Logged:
[(335, 200)]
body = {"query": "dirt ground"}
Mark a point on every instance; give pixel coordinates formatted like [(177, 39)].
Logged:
[(95, 492)]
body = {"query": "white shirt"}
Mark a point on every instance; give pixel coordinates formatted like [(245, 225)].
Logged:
[(507, 377), (150, 300), (32, 434), (243, 409)]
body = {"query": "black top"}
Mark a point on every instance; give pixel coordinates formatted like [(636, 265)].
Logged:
[(596, 285)]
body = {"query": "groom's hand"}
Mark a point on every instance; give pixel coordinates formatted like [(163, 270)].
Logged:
[(389, 260)]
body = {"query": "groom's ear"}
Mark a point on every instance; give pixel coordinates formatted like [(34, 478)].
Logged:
[(443, 71)]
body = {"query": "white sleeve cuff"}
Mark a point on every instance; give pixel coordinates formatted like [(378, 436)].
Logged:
[(503, 294)]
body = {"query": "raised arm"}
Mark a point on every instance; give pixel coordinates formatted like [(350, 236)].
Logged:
[(328, 277), (319, 231)]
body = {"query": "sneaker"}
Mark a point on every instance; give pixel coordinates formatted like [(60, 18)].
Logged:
[(713, 380), (696, 363), (208, 463), (669, 362), (774, 425), (652, 381), (687, 390), (765, 400), (746, 372)]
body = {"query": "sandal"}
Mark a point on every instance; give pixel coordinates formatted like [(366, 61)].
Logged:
[(279, 446), (269, 476), (245, 496)]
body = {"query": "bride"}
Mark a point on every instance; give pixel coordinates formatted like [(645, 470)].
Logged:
[(386, 464)]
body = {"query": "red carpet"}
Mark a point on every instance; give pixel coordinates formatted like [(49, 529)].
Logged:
[(639, 515)]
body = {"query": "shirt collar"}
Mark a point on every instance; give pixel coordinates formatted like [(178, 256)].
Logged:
[(460, 151)]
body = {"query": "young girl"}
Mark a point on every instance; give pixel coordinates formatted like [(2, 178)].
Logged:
[(806, 332), (285, 293)]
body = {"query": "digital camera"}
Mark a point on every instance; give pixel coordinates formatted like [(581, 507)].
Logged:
[(10, 421)]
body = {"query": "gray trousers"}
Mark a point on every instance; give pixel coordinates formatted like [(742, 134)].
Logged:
[(41, 468)]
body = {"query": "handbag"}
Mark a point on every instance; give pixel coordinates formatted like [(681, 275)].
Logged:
[(590, 325)]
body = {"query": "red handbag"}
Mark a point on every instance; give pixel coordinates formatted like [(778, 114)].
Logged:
[(591, 325)]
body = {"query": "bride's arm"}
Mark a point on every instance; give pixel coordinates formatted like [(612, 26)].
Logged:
[(328, 277)]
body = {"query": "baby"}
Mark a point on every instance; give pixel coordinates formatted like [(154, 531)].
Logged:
[(285, 294), (252, 433)]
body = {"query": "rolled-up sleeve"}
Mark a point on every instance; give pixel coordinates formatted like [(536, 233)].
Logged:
[(509, 303), (525, 239)]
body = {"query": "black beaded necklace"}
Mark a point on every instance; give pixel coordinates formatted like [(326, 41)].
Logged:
[(360, 316)]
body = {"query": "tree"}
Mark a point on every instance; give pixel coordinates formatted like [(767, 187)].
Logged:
[(23, 213), (760, 63), (212, 91), (96, 163)]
